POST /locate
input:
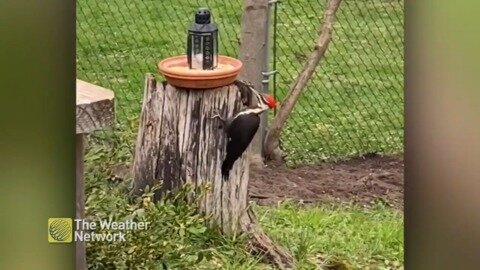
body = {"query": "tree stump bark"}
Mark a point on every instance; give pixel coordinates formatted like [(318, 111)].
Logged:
[(178, 143)]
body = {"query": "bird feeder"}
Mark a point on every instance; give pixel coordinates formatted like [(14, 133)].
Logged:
[(202, 67), (202, 42)]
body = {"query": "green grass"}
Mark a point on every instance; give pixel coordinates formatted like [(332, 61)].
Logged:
[(329, 234), (352, 106), (348, 235), (324, 234), (320, 235)]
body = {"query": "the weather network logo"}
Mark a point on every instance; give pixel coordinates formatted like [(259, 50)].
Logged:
[(60, 230)]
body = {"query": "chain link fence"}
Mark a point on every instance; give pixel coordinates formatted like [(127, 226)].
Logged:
[(352, 106)]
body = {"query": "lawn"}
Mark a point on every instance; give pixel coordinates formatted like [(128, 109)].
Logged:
[(338, 234), (352, 106), (330, 234), (334, 233)]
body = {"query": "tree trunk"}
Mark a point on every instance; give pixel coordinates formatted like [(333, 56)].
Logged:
[(273, 136), (254, 56), (178, 143)]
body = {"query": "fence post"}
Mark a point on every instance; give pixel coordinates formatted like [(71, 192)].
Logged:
[(254, 55)]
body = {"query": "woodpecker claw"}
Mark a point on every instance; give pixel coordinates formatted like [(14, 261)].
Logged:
[(216, 115)]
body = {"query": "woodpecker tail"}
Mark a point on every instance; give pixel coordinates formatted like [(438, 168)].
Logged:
[(226, 167)]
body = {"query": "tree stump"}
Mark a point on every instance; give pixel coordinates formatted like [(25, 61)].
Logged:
[(178, 143)]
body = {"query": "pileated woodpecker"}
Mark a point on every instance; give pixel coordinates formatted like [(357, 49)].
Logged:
[(241, 128)]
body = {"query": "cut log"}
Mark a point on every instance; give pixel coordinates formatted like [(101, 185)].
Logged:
[(179, 143), (95, 111), (95, 108)]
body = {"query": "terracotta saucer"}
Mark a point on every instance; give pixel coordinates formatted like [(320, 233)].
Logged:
[(176, 71)]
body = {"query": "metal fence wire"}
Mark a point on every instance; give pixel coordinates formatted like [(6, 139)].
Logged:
[(352, 106)]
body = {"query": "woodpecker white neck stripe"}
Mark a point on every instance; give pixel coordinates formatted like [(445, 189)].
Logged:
[(256, 110), (261, 99)]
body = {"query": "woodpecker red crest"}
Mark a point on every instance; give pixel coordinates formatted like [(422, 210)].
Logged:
[(270, 100)]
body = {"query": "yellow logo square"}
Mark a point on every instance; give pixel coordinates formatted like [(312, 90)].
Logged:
[(60, 230)]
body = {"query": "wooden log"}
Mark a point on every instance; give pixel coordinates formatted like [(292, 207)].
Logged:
[(179, 143), (95, 108), (95, 111), (80, 255)]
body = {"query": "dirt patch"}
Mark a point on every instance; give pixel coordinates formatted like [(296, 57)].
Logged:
[(363, 180)]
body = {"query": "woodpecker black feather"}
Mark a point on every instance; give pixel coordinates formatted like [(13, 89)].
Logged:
[(240, 133), (245, 91)]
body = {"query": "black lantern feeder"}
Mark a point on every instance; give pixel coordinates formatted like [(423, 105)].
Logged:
[(202, 42)]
